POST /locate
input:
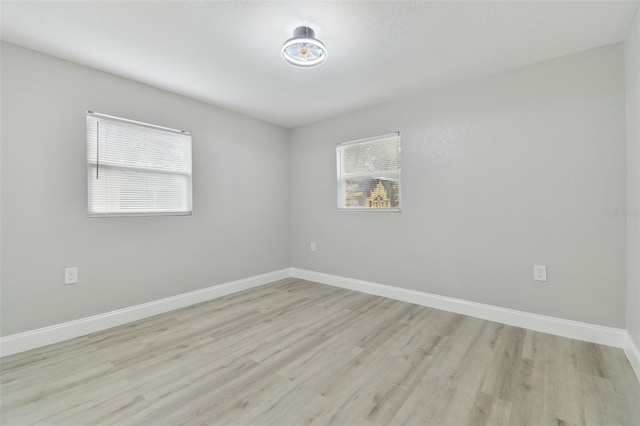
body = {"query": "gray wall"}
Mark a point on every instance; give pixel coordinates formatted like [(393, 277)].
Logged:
[(238, 228), (632, 55), (499, 174)]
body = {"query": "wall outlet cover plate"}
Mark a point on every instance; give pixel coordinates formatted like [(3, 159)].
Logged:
[(540, 272)]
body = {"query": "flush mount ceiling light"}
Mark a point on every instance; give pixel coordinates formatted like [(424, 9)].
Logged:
[(304, 50)]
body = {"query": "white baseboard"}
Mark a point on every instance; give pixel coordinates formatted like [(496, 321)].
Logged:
[(32, 339), (633, 353), (609, 336), (561, 327)]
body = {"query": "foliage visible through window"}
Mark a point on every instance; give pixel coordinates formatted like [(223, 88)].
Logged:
[(136, 168), (369, 174)]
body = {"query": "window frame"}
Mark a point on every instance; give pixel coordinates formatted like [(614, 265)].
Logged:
[(92, 168), (341, 187)]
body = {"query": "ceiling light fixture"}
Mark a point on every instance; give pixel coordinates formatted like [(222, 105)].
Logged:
[(304, 50)]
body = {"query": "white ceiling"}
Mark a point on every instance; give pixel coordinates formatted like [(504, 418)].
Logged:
[(228, 53)]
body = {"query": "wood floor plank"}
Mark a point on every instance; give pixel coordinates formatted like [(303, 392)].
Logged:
[(300, 353)]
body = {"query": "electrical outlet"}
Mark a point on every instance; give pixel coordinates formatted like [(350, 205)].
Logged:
[(540, 272), (312, 247), (71, 275)]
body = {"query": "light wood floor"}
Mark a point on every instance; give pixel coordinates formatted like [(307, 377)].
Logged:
[(295, 352)]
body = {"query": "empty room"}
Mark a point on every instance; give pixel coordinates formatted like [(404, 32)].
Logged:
[(320, 213)]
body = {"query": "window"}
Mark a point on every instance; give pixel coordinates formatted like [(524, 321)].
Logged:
[(137, 169), (369, 174)]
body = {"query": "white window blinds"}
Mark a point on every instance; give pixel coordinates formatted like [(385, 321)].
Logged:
[(369, 174), (137, 168)]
